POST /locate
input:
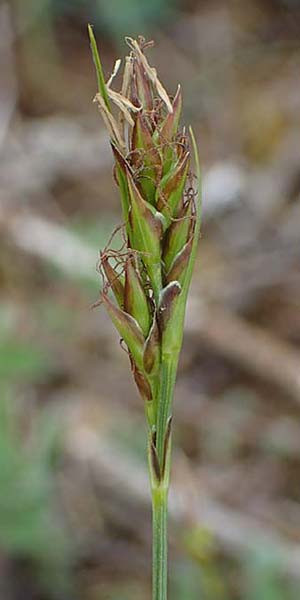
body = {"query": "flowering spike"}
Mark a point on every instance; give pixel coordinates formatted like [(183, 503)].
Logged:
[(135, 300), (152, 162)]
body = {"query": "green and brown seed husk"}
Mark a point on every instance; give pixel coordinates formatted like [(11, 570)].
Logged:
[(150, 276)]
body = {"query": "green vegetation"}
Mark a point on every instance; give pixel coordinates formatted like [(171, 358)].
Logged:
[(30, 527)]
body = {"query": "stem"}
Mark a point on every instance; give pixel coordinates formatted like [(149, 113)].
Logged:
[(167, 383), (160, 544), (160, 487)]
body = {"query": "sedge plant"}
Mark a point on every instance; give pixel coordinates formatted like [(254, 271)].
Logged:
[(146, 282)]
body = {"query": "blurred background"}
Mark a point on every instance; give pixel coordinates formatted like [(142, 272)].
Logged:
[(74, 506)]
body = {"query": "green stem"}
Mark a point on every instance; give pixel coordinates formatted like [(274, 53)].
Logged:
[(160, 487), (160, 544), (167, 383)]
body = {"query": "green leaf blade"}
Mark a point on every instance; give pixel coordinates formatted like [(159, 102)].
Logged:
[(98, 66)]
